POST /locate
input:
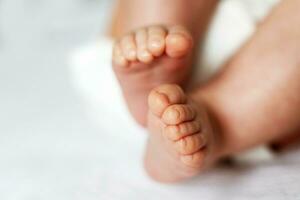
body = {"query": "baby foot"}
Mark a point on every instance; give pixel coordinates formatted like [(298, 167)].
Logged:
[(182, 141), (149, 57)]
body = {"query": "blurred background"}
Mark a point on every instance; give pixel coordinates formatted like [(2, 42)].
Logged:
[(43, 131)]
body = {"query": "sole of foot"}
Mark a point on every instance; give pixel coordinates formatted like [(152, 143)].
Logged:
[(148, 57)]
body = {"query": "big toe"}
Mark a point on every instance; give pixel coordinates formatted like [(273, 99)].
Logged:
[(179, 42), (163, 96)]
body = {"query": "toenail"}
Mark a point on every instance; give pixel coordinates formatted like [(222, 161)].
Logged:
[(163, 98), (156, 43), (145, 55), (158, 102), (132, 53), (175, 114)]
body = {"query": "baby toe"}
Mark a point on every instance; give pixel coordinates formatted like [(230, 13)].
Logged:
[(118, 57), (190, 144), (176, 132), (176, 114), (143, 54), (128, 47), (163, 96), (178, 42), (156, 40)]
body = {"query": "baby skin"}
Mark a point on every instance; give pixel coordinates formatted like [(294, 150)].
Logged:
[(237, 110), (181, 133), (148, 57)]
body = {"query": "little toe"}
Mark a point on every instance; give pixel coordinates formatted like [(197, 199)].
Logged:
[(143, 54), (177, 132), (190, 144), (118, 58), (156, 40), (163, 96), (176, 114), (128, 47), (178, 42)]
